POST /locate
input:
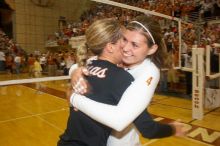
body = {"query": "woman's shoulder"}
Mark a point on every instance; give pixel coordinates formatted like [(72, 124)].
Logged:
[(149, 67)]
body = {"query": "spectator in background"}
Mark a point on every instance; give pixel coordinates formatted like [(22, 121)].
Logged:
[(9, 63), (37, 72), (17, 61), (69, 61), (52, 66), (43, 62), (172, 73), (31, 60)]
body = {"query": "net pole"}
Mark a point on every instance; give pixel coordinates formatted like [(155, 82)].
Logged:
[(198, 83)]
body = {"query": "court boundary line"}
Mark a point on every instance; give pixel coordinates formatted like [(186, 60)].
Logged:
[(42, 119), (49, 123), (33, 115)]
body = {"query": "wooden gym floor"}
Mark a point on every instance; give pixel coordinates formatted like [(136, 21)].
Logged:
[(29, 117)]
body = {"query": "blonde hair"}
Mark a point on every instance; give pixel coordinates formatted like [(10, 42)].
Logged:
[(81, 55), (98, 35), (102, 32)]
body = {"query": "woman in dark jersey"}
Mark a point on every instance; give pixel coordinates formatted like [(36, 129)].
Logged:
[(103, 38)]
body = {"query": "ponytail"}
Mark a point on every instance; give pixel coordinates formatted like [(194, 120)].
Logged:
[(82, 55)]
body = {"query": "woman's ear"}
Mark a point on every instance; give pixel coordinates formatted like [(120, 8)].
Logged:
[(153, 49), (109, 47)]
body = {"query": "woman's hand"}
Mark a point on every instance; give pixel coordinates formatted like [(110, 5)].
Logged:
[(178, 128), (78, 82)]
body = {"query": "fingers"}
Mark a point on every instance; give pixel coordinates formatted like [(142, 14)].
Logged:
[(85, 71), (75, 109), (179, 128), (75, 80), (80, 86)]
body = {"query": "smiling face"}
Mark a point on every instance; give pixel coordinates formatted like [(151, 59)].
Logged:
[(135, 48)]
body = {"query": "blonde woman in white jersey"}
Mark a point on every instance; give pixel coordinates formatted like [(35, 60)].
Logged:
[(142, 54)]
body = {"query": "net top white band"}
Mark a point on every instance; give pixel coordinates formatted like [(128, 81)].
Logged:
[(144, 29)]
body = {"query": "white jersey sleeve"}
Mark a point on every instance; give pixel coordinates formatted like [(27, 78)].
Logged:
[(134, 101), (72, 68)]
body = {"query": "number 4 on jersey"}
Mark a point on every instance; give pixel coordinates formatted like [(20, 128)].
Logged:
[(149, 80)]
